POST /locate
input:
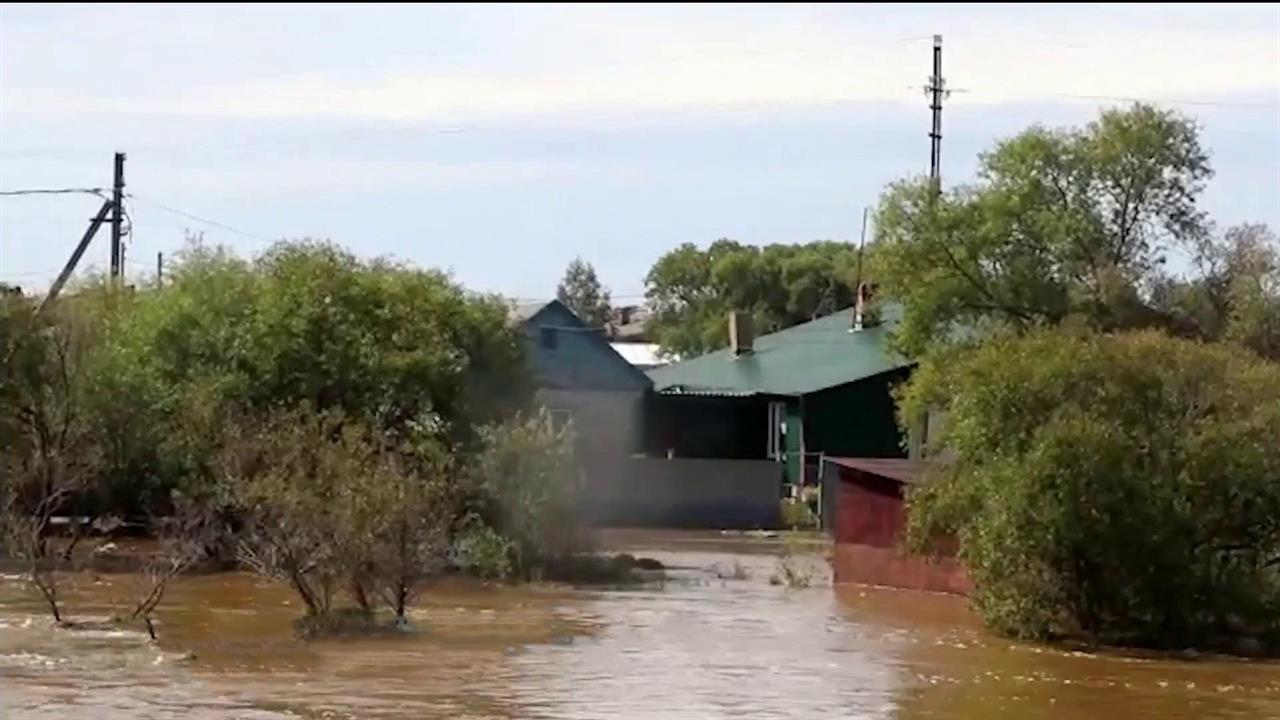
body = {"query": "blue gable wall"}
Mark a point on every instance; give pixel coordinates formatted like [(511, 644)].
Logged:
[(581, 358)]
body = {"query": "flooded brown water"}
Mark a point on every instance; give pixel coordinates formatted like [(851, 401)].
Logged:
[(700, 645)]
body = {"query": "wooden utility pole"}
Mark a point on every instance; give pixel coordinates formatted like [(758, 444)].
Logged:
[(112, 211), (159, 269), (937, 90), (117, 221), (70, 267)]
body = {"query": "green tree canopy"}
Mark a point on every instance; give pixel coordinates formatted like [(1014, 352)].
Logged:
[(1060, 224), (306, 322), (1121, 486), (691, 291), (1233, 295), (581, 292)]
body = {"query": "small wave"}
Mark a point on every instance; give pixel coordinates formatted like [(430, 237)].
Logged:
[(28, 659), (104, 634)]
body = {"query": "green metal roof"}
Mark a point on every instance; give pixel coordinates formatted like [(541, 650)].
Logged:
[(800, 360)]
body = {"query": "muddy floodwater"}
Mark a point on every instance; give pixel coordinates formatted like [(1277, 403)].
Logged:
[(715, 640)]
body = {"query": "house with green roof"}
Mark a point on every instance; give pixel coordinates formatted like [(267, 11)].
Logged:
[(583, 381), (822, 387)]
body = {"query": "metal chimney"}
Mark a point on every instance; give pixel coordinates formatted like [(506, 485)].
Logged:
[(740, 335)]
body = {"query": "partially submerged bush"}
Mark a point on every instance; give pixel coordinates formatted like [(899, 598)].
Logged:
[(594, 568), (1119, 487), (797, 515), (795, 567), (51, 451), (185, 539), (736, 571), (524, 485), (480, 551), (328, 504), (341, 621)]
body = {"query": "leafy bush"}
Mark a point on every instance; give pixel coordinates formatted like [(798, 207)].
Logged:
[(306, 322), (797, 515), (1123, 487), (524, 487), (51, 451), (480, 551), (328, 504)]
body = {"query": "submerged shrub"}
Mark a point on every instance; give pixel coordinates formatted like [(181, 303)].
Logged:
[(524, 484), (797, 515), (1121, 487), (480, 551)]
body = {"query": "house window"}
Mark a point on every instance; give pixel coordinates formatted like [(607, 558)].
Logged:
[(776, 441), (560, 419), (925, 438), (549, 338)]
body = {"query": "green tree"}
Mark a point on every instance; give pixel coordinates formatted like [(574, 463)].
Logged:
[(691, 291), (1061, 225), (306, 322), (51, 451), (1121, 487), (1234, 293), (581, 292)]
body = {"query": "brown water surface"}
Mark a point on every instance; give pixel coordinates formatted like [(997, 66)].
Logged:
[(701, 645)]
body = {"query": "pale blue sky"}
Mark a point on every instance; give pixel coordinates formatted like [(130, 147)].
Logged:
[(499, 142)]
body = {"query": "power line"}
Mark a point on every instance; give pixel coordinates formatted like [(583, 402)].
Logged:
[(53, 191), (1153, 101), (30, 273), (197, 218)]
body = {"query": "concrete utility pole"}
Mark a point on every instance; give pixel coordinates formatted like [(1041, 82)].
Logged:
[(937, 90), (117, 221)]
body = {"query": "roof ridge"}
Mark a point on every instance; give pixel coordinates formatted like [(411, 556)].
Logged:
[(804, 358)]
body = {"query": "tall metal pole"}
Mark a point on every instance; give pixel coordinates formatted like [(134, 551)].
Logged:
[(117, 221), (859, 297), (937, 87)]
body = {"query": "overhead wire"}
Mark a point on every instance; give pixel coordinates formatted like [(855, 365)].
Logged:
[(53, 191), (30, 273), (100, 192), (197, 218), (1122, 98)]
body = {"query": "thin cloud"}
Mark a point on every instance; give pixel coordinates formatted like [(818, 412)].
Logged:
[(688, 80)]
